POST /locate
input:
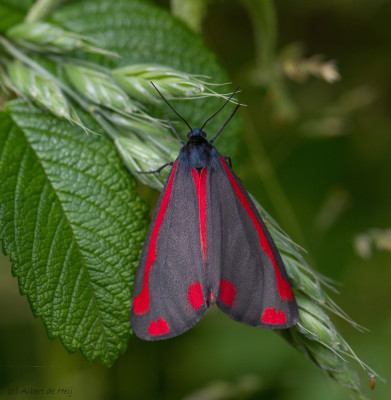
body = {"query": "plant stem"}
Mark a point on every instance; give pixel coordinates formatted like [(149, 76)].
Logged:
[(268, 71), (270, 180), (41, 9), (264, 23)]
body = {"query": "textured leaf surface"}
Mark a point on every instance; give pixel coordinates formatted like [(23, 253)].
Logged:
[(143, 33), (73, 225)]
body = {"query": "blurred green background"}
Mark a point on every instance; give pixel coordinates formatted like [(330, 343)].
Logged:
[(317, 157)]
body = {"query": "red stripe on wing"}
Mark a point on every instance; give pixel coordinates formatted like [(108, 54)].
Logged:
[(200, 185), (283, 286), (142, 300)]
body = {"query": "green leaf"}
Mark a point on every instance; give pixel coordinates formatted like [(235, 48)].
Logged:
[(144, 33), (73, 225), (12, 12)]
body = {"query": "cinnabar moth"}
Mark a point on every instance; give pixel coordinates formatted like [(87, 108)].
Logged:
[(207, 244)]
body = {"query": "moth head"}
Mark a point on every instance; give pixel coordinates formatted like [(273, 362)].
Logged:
[(196, 132)]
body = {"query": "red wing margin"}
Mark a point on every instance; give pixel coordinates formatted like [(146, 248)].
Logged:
[(169, 295), (253, 285)]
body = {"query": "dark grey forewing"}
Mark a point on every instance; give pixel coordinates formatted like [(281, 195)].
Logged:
[(178, 264), (244, 279)]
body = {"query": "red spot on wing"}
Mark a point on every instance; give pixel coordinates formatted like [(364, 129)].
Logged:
[(158, 327), (200, 185), (227, 292), (270, 316), (283, 286), (142, 300), (195, 295)]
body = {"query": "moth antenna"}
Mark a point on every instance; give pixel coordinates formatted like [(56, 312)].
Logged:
[(232, 95), (225, 123), (172, 108)]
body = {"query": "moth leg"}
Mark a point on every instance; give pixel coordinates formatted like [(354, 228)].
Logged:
[(156, 170), (228, 158)]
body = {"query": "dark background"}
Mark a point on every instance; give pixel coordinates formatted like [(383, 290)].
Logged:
[(321, 167)]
